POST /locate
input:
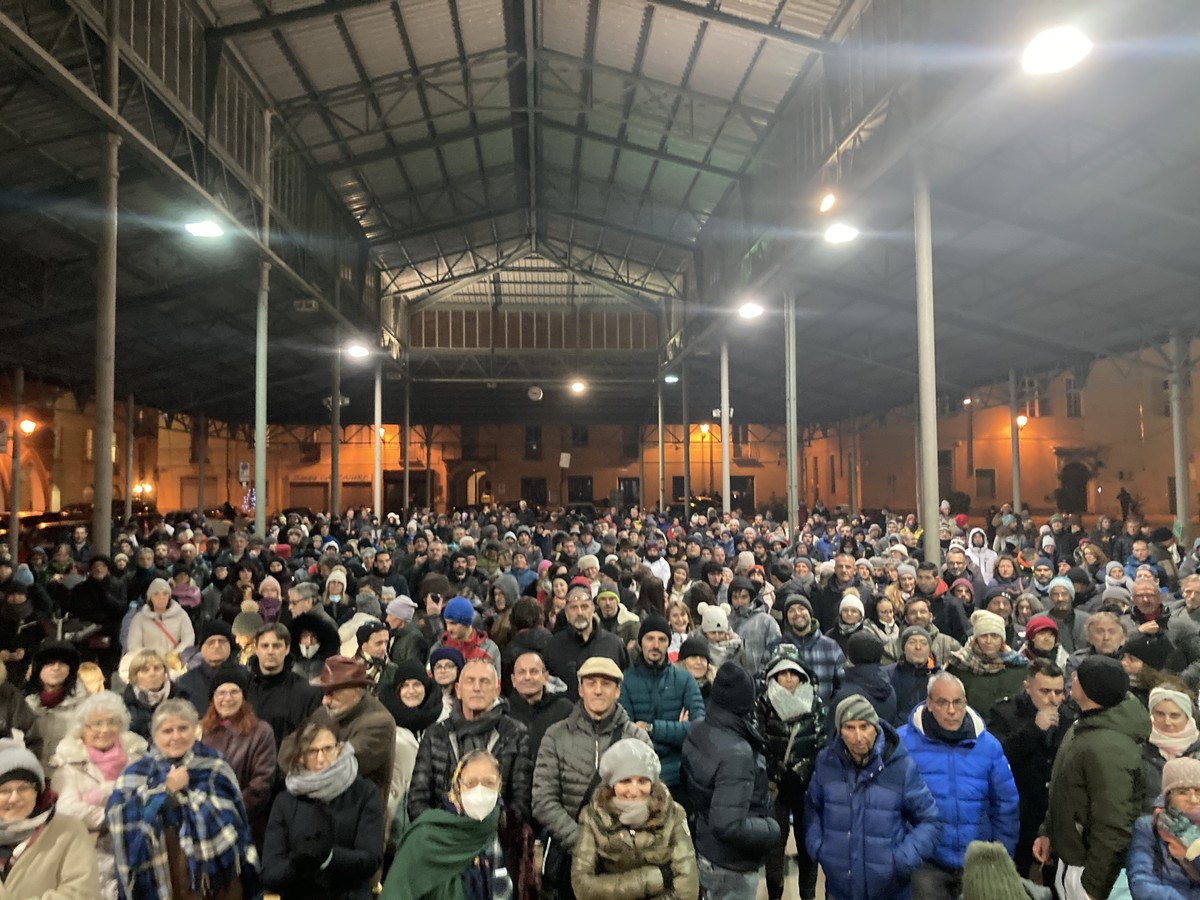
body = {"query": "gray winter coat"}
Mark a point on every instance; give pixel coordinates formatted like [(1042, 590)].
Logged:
[(758, 631), (567, 758)]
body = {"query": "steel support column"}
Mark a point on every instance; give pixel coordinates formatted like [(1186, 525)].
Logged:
[(335, 433), (1015, 431), (855, 498), (429, 467), (662, 455), (14, 484), (686, 428), (202, 427), (725, 502), (407, 438), (130, 412), (106, 299), (1179, 435), (261, 325), (789, 392), (926, 362), (377, 444)]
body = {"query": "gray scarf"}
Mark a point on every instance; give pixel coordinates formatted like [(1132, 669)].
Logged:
[(328, 784)]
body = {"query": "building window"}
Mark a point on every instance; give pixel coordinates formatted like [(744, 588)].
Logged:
[(1165, 400), (470, 442), (1034, 400), (832, 475), (533, 444), (740, 434), (1074, 398), (579, 436), (816, 475), (631, 441), (985, 484), (579, 489), (533, 491)]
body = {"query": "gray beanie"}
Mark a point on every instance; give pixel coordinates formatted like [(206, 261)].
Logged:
[(913, 631), (855, 708), (906, 569), (18, 763), (629, 758)]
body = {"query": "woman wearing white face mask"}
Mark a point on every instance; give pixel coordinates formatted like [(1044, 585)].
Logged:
[(325, 836), (455, 851)]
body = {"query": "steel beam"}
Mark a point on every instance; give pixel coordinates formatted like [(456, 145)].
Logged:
[(450, 290), (760, 29), (420, 231), (384, 154), (292, 17), (52, 74), (652, 152)]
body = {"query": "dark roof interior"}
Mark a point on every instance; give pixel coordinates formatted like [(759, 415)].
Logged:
[(572, 189)]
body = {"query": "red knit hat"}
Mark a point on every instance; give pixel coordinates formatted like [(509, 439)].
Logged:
[(1039, 623)]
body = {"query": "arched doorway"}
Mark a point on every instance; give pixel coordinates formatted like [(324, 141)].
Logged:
[(470, 486), (1073, 487)]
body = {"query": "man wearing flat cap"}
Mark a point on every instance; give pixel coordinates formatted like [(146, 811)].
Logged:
[(565, 774)]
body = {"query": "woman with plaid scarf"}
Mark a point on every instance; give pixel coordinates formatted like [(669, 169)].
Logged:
[(179, 827)]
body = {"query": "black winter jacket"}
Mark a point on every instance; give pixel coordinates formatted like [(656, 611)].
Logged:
[(437, 757), (283, 700), (303, 831), (141, 713), (725, 774), (565, 652)]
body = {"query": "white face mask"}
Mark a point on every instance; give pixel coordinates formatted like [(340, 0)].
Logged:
[(308, 652), (479, 801)]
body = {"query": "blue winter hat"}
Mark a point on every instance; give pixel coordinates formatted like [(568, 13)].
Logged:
[(1044, 561), (460, 611), (1061, 581)]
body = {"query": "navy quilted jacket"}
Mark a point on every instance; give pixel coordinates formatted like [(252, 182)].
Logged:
[(869, 828), (657, 694)]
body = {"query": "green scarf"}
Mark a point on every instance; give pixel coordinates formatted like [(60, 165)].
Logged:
[(435, 851)]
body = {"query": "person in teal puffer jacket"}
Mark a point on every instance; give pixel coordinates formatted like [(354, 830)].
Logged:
[(664, 701)]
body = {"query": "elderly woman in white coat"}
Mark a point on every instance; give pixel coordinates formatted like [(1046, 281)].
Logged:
[(89, 758), (161, 624)]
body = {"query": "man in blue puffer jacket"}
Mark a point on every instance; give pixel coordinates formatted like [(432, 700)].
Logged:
[(869, 819), (663, 700), (967, 772)]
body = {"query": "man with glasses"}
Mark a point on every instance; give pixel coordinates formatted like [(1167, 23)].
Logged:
[(1148, 615), (362, 721), (966, 771), (1072, 622), (582, 639)]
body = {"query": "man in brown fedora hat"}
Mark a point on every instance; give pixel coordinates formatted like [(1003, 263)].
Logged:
[(363, 721)]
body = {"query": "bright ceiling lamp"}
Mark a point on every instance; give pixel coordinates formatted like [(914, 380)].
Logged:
[(1055, 50), (671, 379), (840, 233), (750, 310), (828, 202), (578, 387), (358, 351), (205, 228)]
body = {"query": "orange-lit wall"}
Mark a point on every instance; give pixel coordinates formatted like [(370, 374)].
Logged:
[(1123, 437)]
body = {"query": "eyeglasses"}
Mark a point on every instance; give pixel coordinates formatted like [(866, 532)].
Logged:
[(20, 789), (101, 724), (488, 781), (1192, 793), (942, 703), (228, 693), (328, 751)]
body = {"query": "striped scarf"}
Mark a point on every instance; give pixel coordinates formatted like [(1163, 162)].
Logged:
[(214, 834)]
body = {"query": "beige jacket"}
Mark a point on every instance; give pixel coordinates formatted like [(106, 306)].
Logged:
[(58, 864)]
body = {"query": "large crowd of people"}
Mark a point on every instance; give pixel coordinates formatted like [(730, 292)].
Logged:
[(510, 703)]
